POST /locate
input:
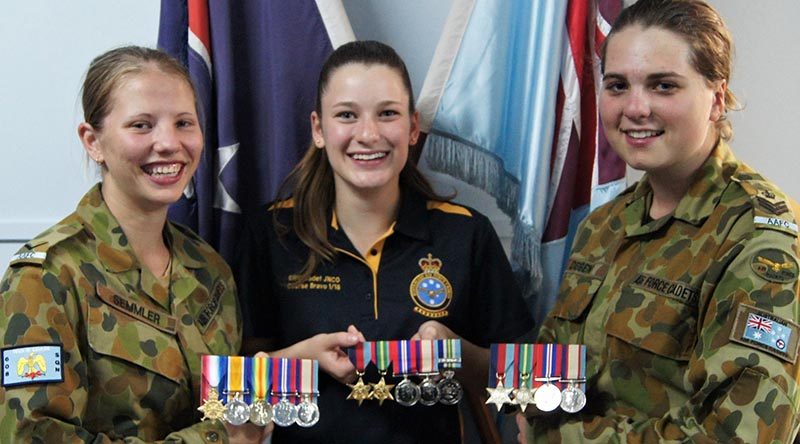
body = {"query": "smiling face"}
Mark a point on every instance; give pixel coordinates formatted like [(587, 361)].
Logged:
[(658, 112), (150, 141), (365, 127)]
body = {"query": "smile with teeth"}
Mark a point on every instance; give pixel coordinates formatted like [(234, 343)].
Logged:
[(369, 156), (162, 170), (642, 134)]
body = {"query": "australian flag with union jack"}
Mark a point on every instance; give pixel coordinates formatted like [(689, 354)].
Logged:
[(767, 332)]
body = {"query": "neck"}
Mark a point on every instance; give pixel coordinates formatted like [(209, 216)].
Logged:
[(365, 217), (143, 229)]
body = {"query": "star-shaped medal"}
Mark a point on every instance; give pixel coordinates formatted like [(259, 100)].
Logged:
[(212, 407), (360, 391), (499, 395), (382, 391), (522, 397)]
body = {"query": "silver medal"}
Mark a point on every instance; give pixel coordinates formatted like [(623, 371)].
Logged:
[(406, 393), (547, 397), (572, 399), (307, 413), (429, 392), (236, 412), (284, 413), (450, 390), (261, 413)]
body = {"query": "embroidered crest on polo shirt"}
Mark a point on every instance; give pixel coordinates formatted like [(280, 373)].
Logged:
[(33, 364), (765, 331), (430, 290)]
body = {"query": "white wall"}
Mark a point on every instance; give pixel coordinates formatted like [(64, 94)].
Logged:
[(46, 46)]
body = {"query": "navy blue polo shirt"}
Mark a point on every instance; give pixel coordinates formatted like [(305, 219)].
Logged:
[(438, 261)]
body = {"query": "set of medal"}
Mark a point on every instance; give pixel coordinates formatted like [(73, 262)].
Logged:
[(238, 389), (432, 360), (548, 376)]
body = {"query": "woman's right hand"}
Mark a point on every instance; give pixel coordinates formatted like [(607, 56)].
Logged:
[(327, 348)]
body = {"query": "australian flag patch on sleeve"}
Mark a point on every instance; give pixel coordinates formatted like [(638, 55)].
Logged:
[(766, 332), (32, 364)]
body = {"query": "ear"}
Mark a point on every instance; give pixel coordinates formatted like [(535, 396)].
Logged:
[(89, 139), (718, 106), (316, 130), (413, 136)]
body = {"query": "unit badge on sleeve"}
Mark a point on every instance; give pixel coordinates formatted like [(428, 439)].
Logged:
[(430, 290)]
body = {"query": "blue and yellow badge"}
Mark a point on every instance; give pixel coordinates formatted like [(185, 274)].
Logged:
[(766, 332), (32, 364), (430, 290)]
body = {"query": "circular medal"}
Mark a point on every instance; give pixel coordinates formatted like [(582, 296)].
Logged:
[(307, 413), (547, 397), (450, 391), (261, 413), (429, 392), (406, 393), (237, 412), (572, 399), (284, 413)]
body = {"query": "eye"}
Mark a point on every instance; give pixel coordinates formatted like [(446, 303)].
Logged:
[(345, 115), (185, 123), (141, 125), (389, 113), (615, 86), (665, 87)]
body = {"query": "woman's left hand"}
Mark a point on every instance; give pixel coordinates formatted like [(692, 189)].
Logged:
[(434, 330)]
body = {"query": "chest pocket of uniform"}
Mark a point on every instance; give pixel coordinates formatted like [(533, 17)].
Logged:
[(655, 320), (575, 295), (122, 328)]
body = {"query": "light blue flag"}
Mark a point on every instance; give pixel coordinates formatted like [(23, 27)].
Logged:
[(490, 109)]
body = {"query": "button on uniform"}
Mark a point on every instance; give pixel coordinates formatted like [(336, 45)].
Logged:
[(212, 436)]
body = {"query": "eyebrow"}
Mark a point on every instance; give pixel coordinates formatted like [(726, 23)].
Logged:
[(653, 76), (352, 104)]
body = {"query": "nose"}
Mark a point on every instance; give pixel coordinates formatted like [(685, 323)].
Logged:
[(367, 131), (166, 139), (637, 105)]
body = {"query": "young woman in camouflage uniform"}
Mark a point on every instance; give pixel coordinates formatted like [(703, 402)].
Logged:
[(104, 316), (684, 288)]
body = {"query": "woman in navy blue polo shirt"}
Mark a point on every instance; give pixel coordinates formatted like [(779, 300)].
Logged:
[(342, 257)]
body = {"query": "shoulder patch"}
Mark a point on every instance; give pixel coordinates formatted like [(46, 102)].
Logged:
[(34, 252), (32, 364), (771, 208), (448, 207), (765, 331), (774, 265)]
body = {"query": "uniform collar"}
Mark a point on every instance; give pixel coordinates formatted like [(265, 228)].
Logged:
[(412, 220), (112, 245), (699, 201)]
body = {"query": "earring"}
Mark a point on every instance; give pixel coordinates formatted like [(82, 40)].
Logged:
[(99, 162)]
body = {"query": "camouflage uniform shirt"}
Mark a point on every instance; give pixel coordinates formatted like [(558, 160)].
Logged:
[(130, 346), (689, 320)]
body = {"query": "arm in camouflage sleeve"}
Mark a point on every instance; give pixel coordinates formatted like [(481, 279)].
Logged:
[(40, 307), (740, 392)]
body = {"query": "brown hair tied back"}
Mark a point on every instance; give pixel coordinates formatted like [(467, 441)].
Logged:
[(701, 26)]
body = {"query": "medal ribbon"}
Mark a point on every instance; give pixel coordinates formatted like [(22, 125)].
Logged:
[(307, 377), (575, 363), (382, 358), (260, 377), (211, 374), (512, 375), (361, 355), (428, 356), (235, 375), (450, 352), (525, 363), (498, 362), (538, 365)]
